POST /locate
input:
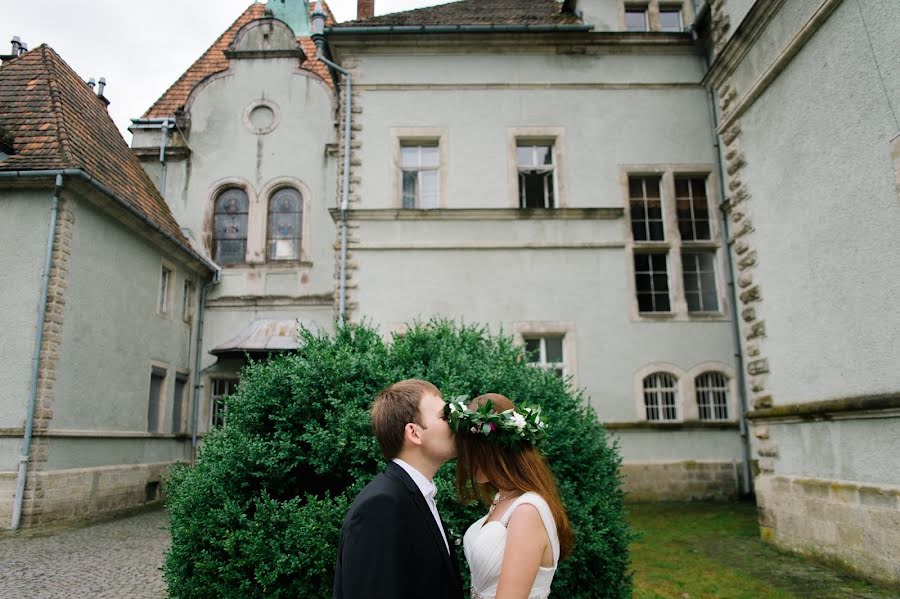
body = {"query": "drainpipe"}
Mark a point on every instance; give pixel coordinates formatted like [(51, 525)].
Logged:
[(163, 125), (195, 400), (36, 358), (318, 36), (729, 262)]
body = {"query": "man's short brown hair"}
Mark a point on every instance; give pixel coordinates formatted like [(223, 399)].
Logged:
[(394, 408)]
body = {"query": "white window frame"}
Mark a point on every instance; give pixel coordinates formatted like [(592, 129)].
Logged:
[(165, 290), (162, 404), (533, 144), (672, 7), (672, 244), (652, 12), (692, 408), (411, 136), (554, 136), (653, 368), (188, 298), (551, 328)]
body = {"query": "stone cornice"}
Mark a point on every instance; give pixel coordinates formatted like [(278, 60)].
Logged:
[(689, 425), (90, 434), (882, 405), (480, 214)]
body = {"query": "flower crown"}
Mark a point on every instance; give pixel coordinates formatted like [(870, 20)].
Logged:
[(508, 428)]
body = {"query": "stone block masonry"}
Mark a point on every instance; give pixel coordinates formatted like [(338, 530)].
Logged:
[(680, 481), (856, 525)]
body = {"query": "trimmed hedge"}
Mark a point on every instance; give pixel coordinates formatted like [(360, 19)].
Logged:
[(260, 512)]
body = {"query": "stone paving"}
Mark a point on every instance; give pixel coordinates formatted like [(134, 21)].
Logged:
[(120, 559)]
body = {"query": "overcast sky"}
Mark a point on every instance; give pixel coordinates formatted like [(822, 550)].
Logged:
[(141, 48)]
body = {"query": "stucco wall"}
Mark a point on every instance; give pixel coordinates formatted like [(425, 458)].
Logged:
[(23, 233), (112, 331), (817, 146)]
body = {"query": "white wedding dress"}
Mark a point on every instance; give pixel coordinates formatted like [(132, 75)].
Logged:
[(484, 545)]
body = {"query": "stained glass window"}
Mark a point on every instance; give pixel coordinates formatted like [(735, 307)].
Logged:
[(285, 220), (230, 226)]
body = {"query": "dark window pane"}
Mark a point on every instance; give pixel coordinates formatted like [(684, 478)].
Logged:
[(661, 303), (656, 231), (641, 262), (643, 282), (535, 189), (554, 349), (231, 251), (533, 350), (410, 185), (230, 226), (658, 262), (157, 377), (645, 302)]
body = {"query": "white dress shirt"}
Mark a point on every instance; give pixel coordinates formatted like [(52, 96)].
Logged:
[(426, 486)]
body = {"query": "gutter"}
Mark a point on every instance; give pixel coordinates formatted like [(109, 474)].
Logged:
[(36, 359), (729, 261), (496, 28), (320, 42), (77, 172), (195, 400)]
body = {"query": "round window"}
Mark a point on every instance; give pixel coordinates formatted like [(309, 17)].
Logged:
[(261, 117)]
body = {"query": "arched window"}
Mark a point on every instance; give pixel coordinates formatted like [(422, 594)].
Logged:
[(230, 226), (712, 396), (661, 396), (285, 221)]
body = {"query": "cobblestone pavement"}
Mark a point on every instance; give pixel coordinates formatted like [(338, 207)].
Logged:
[(120, 559)]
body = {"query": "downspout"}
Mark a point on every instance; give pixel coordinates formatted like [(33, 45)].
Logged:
[(36, 358), (163, 125), (201, 312), (319, 39), (729, 262)]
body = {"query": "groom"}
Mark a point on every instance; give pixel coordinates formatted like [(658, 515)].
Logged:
[(393, 543)]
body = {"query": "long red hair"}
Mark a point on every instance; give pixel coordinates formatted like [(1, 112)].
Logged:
[(523, 469)]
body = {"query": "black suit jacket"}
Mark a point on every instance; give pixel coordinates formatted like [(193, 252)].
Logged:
[(391, 547)]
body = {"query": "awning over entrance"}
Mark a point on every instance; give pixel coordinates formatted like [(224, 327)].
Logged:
[(262, 336)]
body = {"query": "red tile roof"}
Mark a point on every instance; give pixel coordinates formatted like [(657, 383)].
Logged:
[(214, 61), (477, 12), (57, 122)]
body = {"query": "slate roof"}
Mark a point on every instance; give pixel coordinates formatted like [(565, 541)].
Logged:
[(214, 61), (477, 12), (57, 122)]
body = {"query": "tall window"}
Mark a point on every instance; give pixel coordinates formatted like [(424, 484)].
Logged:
[(661, 397), (712, 396), (546, 352), (220, 388), (285, 221), (230, 226), (672, 234), (419, 164), (157, 384), (165, 283), (187, 302), (537, 174), (670, 18), (179, 402), (636, 18)]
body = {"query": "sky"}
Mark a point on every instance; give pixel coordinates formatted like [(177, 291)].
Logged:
[(141, 49)]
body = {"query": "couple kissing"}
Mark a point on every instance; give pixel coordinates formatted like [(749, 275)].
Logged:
[(394, 544)]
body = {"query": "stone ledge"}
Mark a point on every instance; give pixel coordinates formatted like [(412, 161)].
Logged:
[(822, 410)]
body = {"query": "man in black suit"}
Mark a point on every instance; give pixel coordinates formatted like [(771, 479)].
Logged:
[(393, 543)]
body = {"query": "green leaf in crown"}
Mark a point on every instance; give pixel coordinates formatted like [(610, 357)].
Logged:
[(509, 428)]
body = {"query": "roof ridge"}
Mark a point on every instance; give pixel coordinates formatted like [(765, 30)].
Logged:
[(62, 133)]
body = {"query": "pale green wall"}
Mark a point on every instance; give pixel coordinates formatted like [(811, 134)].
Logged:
[(111, 331), (644, 445), (10, 448), (87, 453), (23, 234)]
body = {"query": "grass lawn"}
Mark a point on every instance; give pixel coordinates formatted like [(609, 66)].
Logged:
[(694, 550)]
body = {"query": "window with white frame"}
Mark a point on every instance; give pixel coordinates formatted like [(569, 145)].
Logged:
[(165, 285), (661, 397), (537, 174), (219, 389), (285, 222), (637, 17), (179, 401), (187, 301), (419, 168), (670, 18), (157, 387), (230, 219), (712, 395), (672, 238), (547, 352)]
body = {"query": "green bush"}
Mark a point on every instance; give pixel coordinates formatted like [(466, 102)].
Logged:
[(260, 512)]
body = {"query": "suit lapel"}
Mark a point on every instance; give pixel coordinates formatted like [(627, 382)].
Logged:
[(399, 473)]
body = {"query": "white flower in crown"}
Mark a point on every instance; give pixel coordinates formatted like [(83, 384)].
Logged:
[(518, 420)]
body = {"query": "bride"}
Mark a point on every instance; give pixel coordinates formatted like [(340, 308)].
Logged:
[(513, 551)]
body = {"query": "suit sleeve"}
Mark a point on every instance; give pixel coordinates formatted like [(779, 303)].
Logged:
[(373, 555)]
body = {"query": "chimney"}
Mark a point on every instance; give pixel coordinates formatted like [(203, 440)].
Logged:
[(18, 49), (101, 85), (92, 83), (365, 9)]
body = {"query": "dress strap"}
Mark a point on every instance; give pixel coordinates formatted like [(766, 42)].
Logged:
[(543, 509)]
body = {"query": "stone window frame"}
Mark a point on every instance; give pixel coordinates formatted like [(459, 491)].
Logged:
[(162, 407), (556, 136), (258, 221), (400, 136), (653, 368), (673, 244), (653, 8), (546, 328), (692, 408), (188, 303), (185, 374), (263, 198), (168, 309)]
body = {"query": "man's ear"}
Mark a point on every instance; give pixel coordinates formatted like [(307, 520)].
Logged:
[(411, 434)]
